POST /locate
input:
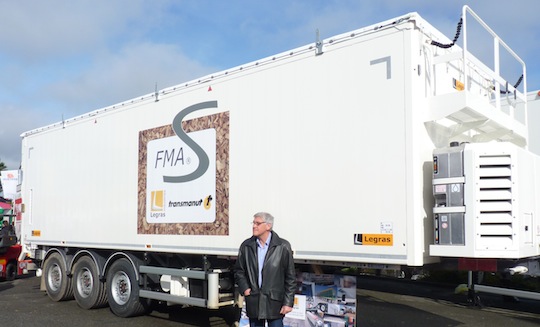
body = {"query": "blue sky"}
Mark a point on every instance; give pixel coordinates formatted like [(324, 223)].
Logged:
[(62, 58)]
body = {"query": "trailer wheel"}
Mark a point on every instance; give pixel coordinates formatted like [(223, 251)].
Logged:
[(11, 271), (123, 290), (89, 291), (57, 282)]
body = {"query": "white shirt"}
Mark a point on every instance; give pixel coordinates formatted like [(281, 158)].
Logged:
[(261, 254)]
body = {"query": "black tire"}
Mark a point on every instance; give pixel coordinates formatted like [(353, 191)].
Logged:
[(123, 290), (11, 271), (88, 290), (57, 282)]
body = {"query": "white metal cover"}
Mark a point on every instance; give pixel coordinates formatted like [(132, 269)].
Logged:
[(533, 108), (334, 145), (501, 201)]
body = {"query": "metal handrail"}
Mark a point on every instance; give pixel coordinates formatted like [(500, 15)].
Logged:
[(494, 74)]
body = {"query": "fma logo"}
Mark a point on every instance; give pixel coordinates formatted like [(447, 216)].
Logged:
[(181, 168), (158, 201), (203, 157)]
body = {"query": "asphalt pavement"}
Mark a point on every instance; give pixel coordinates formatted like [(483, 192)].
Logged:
[(381, 302), (398, 302)]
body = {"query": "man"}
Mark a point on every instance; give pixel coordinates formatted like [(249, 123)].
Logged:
[(6, 229), (265, 274)]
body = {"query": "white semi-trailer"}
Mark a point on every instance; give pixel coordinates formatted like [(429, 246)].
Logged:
[(150, 198)]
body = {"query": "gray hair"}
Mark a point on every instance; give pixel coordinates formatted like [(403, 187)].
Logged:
[(266, 217)]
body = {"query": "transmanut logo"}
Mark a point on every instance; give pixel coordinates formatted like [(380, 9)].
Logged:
[(206, 203)]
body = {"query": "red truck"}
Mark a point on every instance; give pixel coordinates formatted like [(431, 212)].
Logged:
[(9, 267), (9, 255), (12, 262)]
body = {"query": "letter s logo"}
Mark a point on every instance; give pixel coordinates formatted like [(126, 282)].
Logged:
[(203, 157)]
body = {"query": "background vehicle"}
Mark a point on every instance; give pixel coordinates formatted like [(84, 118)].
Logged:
[(9, 255), (12, 260)]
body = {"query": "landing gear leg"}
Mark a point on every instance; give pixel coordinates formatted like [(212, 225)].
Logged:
[(472, 297)]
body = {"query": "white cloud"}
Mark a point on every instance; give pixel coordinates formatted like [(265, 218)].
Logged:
[(13, 122), (37, 30), (131, 71)]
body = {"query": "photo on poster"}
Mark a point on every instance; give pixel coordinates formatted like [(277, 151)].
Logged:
[(321, 300)]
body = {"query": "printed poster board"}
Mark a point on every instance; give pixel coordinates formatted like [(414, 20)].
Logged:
[(322, 300)]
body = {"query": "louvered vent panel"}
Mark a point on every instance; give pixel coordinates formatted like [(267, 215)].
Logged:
[(495, 228)]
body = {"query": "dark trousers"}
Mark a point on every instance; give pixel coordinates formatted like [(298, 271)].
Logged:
[(260, 322)]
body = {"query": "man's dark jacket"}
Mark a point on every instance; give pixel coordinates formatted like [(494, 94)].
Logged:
[(279, 280)]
